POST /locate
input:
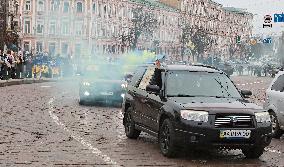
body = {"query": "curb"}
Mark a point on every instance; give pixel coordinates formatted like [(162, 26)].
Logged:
[(24, 81)]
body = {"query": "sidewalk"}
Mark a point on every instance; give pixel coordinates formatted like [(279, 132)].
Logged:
[(10, 82)]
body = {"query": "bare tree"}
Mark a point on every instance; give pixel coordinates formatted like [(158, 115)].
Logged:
[(257, 50), (185, 37), (143, 22), (232, 50), (202, 42)]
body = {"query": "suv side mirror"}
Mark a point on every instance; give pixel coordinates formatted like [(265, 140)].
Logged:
[(246, 93), (153, 89)]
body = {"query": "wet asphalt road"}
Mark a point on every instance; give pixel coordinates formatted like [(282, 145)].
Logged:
[(43, 125)]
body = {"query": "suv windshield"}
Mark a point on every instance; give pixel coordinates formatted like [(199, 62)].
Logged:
[(202, 84), (106, 71)]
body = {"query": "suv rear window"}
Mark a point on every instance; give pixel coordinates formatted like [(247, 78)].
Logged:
[(278, 84)]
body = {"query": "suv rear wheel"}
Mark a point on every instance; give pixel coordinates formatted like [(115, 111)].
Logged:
[(129, 126), (254, 152), (166, 139), (276, 131)]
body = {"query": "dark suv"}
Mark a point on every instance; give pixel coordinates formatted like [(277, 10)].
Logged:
[(194, 106)]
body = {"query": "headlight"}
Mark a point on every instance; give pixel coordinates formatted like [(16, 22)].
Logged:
[(86, 93), (200, 116), (124, 85), (262, 117), (86, 83)]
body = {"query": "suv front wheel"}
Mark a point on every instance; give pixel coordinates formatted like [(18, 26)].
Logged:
[(167, 138), (129, 126), (254, 152)]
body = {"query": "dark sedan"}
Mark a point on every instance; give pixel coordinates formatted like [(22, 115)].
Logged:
[(102, 83)]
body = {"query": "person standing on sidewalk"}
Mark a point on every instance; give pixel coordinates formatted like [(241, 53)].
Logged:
[(1, 64), (13, 62), (20, 65), (7, 67)]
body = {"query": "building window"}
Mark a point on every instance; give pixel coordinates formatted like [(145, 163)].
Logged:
[(40, 6), (65, 27), (39, 27), (79, 28), (94, 8), (99, 10), (79, 7), (54, 5), (27, 46), (28, 5), (27, 27), (51, 49), (52, 27), (103, 30), (124, 11), (39, 46), (99, 31), (94, 29), (64, 49), (77, 50), (66, 7), (105, 11)]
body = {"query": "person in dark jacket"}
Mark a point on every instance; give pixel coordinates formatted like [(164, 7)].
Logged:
[(28, 62), (2, 62)]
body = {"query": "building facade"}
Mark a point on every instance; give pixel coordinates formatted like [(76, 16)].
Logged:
[(9, 23), (79, 28), (222, 24)]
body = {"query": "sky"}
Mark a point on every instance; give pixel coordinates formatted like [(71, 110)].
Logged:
[(260, 8)]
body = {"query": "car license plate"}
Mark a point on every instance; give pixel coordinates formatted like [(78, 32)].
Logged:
[(107, 93), (235, 134)]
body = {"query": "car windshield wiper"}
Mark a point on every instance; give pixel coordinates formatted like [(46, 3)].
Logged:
[(181, 95), (218, 96)]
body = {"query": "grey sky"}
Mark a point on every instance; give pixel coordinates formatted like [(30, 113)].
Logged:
[(261, 8)]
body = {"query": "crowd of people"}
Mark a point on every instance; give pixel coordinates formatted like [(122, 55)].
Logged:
[(17, 65), (258, 70)]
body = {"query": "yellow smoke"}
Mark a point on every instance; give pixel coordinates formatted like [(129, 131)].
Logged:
[(131, 60)]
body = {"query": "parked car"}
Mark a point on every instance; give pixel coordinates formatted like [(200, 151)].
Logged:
[(102, 83), (194, 106), (275, 104)]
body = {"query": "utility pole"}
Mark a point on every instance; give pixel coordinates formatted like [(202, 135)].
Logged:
[(3, 23)]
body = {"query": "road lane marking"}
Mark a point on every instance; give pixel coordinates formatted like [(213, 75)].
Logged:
[(244, 84), (79, 139), (44, 86)]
